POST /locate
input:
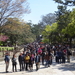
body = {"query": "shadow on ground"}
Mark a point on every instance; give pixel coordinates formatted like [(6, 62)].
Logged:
[(66, 67)]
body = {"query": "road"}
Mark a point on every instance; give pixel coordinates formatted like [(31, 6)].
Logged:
[(54, 69)]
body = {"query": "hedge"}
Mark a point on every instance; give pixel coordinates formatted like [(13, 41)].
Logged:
[(6, 48)]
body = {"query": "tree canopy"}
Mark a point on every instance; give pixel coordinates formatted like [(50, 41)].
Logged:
[(17, 30), (66, 2)]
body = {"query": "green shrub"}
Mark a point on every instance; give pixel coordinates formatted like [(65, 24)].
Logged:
[(6, 48)]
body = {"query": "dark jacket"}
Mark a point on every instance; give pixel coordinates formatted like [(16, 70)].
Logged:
[(47, 57), (31, 59), (68, 52), (59, 53), (7, 58), (20, 58), (37, 59), (14, 61)]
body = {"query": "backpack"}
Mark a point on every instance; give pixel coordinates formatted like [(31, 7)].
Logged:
[(27, 58), (14, 61), (69, 53), (39, 51)]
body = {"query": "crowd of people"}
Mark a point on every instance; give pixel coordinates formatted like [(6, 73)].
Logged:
[(35, 53)]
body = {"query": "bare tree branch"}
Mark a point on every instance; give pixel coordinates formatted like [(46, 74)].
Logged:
[(12, 8)]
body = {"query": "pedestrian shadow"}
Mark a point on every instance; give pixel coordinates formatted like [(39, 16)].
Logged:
[(72, 59), (54, 64), (68, 66), (34, 70), (4, 72), (43, 67), (30, 71), (10, 72)]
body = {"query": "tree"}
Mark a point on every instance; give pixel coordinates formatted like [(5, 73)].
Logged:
[(66, 2), (17, 30), (63, 18), (50, 33), (70, 29), (37, 29), (48, 19), (11, 8)]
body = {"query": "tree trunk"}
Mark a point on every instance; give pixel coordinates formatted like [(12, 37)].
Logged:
[(70, 42), (3, 53)]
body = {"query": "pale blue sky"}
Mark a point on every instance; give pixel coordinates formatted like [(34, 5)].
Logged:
[(39, 8)]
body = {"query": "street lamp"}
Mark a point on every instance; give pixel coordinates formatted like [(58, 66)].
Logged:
[(8, 42), (40, 36)]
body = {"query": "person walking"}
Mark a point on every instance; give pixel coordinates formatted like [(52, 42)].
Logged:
[(37, 61), (31, 61), (14, 63), (59, 56), (43, 55), (23, 60), (27, 58), (20, 59), (7, 59), (68, 55), (63, 57), (47, 59)]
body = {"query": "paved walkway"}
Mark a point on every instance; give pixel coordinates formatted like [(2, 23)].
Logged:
[(54, 69)]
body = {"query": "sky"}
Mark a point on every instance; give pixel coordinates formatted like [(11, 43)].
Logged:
[(39, 8)]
